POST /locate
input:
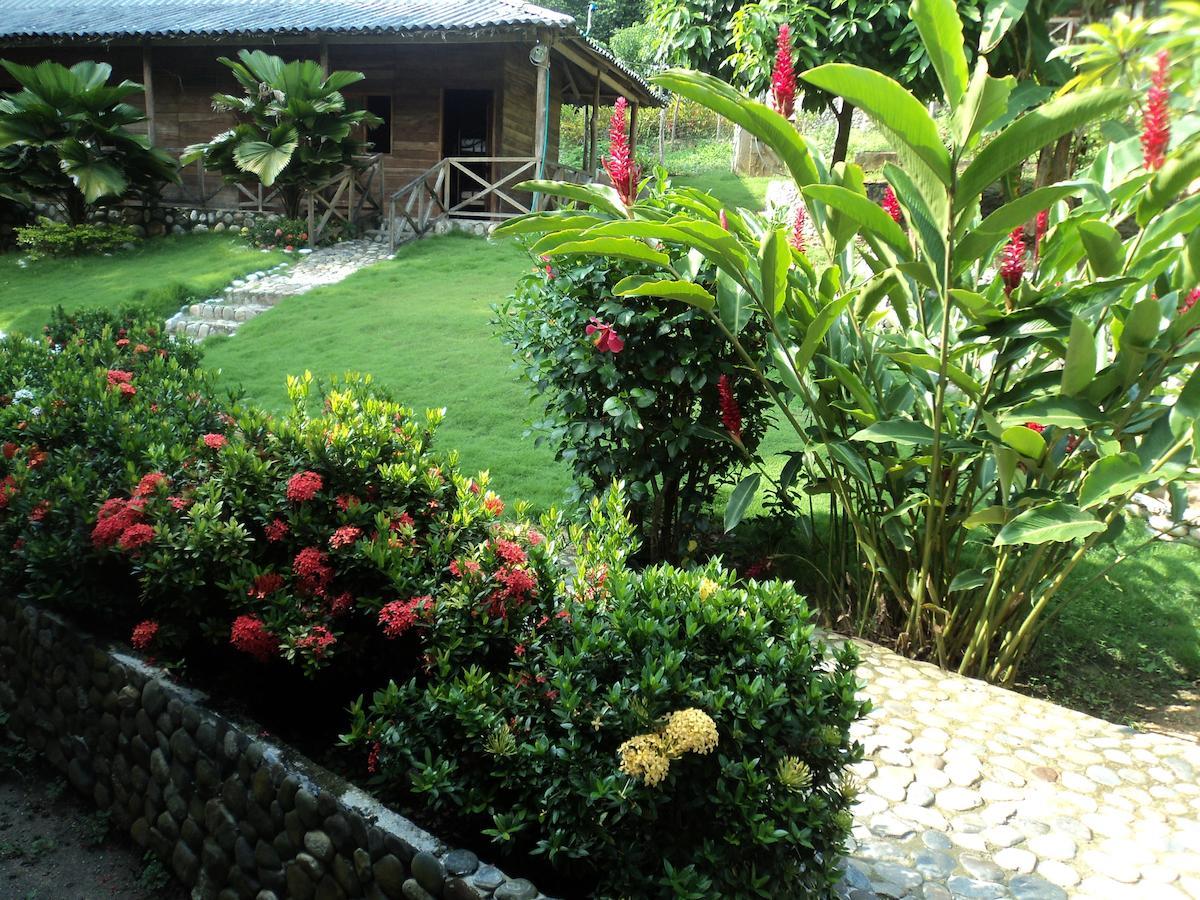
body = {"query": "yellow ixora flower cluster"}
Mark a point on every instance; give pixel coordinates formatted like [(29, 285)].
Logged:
[(648, 756)]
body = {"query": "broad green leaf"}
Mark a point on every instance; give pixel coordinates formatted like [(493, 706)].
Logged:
[(620, 248), (991, 515), (923, 219), (1112, 476), (932, 364), (785, 365), (1050, 522), (1186, 411), (941, 32), (1006, 468), (1025, 441), (740, 499), (1033, 131), (545, 222), (846, 455), (1103, 247), (649, 286), (1175, 175), (764, 123), (968, 580), (266, 160), (1027, 206), (1141, 325), (903, 432), (774, 259), (601, 196), (1080, 366), (858, 207), (985, 101), (96, 179), (889, 104), (734, 305), (999, 16), (816, 331), (1062, 412)]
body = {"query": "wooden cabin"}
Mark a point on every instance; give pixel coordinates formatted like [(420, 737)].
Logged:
[(470, 91)]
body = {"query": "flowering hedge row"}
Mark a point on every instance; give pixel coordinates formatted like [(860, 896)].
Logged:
[(520, 675)]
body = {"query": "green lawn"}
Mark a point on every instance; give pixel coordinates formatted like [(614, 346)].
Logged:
[(161, 272), (420, 325)]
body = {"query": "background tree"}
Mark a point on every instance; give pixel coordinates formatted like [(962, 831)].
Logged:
[(294, 130), (608, 16), (65, 138)]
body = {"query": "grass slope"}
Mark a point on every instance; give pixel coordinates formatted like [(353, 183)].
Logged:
[(420, 325), (161, 273)]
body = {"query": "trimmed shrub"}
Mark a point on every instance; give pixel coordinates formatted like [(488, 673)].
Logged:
[(662, 733), (48, 238), (272, 233)]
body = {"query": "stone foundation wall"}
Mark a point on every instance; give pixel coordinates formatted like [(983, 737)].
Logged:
[(158, 220), (233, 814)]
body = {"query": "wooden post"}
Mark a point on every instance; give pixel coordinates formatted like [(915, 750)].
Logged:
[(539, 132), (594, 156), (148, 85), (325, 56), (312, 222)]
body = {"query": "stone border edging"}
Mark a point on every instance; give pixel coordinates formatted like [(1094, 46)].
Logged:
[(231, 813)]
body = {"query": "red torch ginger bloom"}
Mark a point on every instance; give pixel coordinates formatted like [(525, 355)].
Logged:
[(399, 616), (620, 165), (214, 441), (143, 634), (783, 77), (1040, 226), (606, 338), (149, 484), (250, 635), (136, 536), (731, 414), (1035, 426), (317, 641), (304, 486), (1012, 261), (509, 552), (345, 536), (265, 585), (312, 568), (1156, 120), (798, 224), (891, 205), (276, 531), (723, 218)]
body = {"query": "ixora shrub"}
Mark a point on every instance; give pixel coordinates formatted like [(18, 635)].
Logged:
[(294, 130), (48, 238), (635, 390), (662, 733), (979, 397), (272, 233), (65, 138)]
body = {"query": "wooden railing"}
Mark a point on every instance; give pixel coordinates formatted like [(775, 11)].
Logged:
[(469, 187)]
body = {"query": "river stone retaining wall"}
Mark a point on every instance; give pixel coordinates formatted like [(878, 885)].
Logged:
[(231, 813), (154, 221)]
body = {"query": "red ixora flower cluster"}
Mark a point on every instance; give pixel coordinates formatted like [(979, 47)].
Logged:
[(117, 517), (250, 635), (731, 414), (783, 77), (214, 441), (304, 486), (1012, 261), (149, 484), (891, 205), (399, 616), (276, 531), (345, 536), (143, 634), (1156, 120), (122, 381), (624, 172), (606, 338), (799, 222), (317, 641), (265, 585), (312, 569), (8, 490)]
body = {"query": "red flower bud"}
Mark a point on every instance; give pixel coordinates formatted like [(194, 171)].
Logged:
[(783, 78)]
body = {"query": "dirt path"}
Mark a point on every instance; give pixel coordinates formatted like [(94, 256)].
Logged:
[(55, 846)]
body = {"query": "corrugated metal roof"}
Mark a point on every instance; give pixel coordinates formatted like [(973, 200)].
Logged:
[(101, 19)]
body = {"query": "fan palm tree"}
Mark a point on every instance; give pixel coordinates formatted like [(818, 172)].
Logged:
[(294, 130), (64, 137)]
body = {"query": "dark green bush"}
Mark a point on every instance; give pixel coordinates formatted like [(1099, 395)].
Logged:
[(277, 233), (528, 707), (48, 238)]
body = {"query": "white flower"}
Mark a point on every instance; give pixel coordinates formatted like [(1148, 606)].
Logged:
[(36, 411), (23, 394)]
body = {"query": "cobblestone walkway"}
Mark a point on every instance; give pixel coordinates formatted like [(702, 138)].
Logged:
[(256, 293), (973, 791)]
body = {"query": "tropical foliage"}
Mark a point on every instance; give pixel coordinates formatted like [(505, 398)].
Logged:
[(977, 396), (294, 132), (65, 138)]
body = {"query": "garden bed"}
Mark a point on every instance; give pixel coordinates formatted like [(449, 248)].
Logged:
[(230, 811)]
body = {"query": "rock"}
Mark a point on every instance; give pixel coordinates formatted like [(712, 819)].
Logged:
[(972, 888), (319, 845), (389, 875), (329, 889), (306, 806), (184, 863), (345, 875), (1053, 846), (414, 891), (460, 862), (958, 799), (299, 884), (1033, 887), (518, 889), (459, 889), (429, 872)]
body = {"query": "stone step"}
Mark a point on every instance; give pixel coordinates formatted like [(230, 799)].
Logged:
[(198, 329), (228, 312)]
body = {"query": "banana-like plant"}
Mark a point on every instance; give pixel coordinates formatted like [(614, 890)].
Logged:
[(294, 129), (65, 138), (977, 413)]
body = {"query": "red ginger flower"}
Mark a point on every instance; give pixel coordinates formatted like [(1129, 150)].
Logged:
[(1156, 120), (304, 486), (620, 165), (783, 78), (606, 338), (891, 205), (143, 634), (214, 441), (731, 415), (798, 225), (1012, 261), (250, 635), (1040, 226)]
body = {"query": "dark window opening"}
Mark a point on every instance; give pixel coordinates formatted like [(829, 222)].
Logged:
[(380, 136), (467, 131)]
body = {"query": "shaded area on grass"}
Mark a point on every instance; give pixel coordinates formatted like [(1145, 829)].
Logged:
[(160, 273), (420, 324)]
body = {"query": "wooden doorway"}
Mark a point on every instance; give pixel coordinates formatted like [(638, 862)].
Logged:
[(467, 132)]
